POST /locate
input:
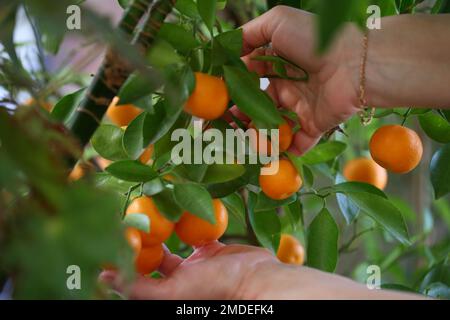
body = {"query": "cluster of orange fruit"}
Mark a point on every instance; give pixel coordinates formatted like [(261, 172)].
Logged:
[(191, 229), (393, 148), (208, 101)]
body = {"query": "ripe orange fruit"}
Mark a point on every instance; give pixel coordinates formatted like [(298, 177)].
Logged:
[(146, 155), (134, 239), (366, 170), (396, 148), (160, 227), (209, 99), (149, 259), (284, 183), (80, 170), (290, 250), (122, 115), (285, 137), (196, 232)]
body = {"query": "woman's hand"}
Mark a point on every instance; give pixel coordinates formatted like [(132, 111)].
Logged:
[(331, 95), (220, 272), (408, 65)]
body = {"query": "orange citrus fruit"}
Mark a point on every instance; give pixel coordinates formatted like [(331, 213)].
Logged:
[(195, 231), (290, 250), (160, 227), (146, 155), (282, 184), (209, 99), (396, 148), (134, 239), (122, 115), (285, 137), (149, 259), (366, 170)]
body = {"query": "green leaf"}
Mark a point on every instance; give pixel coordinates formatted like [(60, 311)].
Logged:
[(219, 173), (383, 212), (124, 3), (232, 41), (207, 10), (106, 181), (180, 38), (136, 87), (324, 152), (435, 126), (138, 220), (265, 224), (438, 273), (187, 8), (153, 187), (107, 141), (196, 200), (438, 290), (220, 190), (332, 16), (163, 54), (166, 204), (133, 138), (227, 48), (323, 236), (235, 206), (249, 98), (67, 106), (440, 172), (133, 171), (348, 208), (347, 187), (264, 203), (280, 65)]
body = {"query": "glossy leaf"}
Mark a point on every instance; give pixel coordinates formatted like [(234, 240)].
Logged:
[(207, 10), (440, 171), (196, 200), (107, 141), (249, 98), (133, 171), (324, 152), (220, 173), (235, 206), (139, 221), (265, 224), (167, 205), (436, 127), (67, 106), (133, 138), (323, 236)]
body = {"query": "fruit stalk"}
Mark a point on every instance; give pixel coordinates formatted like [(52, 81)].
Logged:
[(115, 69)]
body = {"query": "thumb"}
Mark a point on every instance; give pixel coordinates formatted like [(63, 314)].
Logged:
[(142, 288)]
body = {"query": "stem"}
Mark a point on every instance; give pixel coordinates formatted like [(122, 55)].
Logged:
[(345, 247), (406, 115)]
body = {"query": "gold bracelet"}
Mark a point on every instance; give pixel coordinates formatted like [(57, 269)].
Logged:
[(366, 113)]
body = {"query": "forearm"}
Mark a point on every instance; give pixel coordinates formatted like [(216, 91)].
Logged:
[(408, 62), (298, 283)]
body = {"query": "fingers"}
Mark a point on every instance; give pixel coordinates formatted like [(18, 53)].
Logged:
[(259, 31), (141, 288), (170, 262), (303, 142)]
